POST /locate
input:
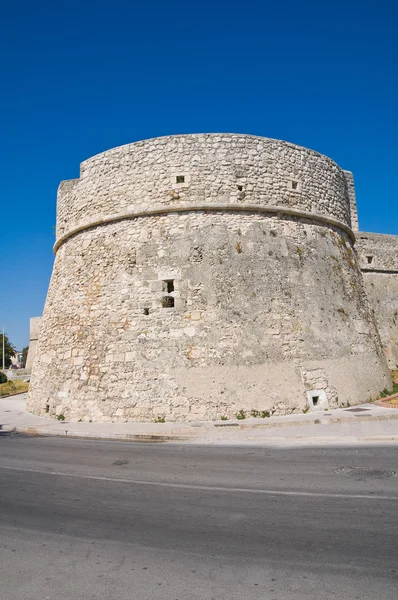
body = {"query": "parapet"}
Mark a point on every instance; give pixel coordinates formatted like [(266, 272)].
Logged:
[(377, 252), (203, 172)]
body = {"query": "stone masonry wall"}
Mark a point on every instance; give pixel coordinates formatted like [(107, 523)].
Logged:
[(352, 200), (33, 338), (236, 169), (378, 256), (199, 313), (266, 311)]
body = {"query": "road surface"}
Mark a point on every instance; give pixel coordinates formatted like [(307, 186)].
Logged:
[(119, 521)]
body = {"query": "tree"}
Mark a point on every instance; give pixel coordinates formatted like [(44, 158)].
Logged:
[(25, 355), (9, 351)]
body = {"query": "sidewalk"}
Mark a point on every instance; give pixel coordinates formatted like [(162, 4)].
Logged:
[(365, 424)]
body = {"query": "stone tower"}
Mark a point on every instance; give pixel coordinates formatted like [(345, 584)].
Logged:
[(197, 275)]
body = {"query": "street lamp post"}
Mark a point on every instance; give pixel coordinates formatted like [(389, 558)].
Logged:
[(3, 349)]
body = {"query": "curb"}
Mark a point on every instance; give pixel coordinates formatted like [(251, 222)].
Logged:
[(122, 437), (14, 394), (321, 420), (153, 438)]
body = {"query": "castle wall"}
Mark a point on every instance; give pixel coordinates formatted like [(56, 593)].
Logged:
[(229, 169), (237, 288), (33, 338), (378, 256), (352, 200)]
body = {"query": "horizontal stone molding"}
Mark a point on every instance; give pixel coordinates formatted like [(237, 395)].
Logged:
[(379, 270), (209, 208)]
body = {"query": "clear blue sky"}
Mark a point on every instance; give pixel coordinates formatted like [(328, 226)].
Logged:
[(79, 77)]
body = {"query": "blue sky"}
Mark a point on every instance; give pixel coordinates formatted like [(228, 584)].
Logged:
[(79, 77)]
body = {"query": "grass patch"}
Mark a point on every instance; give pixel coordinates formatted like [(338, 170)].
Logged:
[(13, 386), (260, 414), (241, 415), (160, 419), (387, 392)]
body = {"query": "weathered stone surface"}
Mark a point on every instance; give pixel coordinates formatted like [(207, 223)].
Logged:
[(33, 337), (378, 256), (175, 293)]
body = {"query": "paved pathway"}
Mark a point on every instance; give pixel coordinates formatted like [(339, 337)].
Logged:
[(369, 423)]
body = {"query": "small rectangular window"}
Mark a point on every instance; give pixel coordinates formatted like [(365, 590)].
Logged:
[(370, 259), (170, 285), (294, 185), (180, 178), (167, 302)]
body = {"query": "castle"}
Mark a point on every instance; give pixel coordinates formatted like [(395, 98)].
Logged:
[(198, 275)]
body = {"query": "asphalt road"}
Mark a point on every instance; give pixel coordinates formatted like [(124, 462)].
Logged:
[(116, 521)]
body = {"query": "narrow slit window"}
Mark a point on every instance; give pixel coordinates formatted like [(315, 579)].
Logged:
[(315, 400), (370, 259), (294, 185), (146, 311), (170, 285), (180, 179), (240, 188)]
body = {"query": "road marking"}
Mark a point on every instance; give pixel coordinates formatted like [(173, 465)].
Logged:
[(209, 488)]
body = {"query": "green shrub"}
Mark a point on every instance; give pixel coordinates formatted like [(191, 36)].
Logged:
[(241, 415), (160, 419), (387, 392), (3, 377)]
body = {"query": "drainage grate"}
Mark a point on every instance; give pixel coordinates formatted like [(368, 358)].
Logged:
[(362, 473), (357, 409)]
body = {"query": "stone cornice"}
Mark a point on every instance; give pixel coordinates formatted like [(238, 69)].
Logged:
[(208, 208)]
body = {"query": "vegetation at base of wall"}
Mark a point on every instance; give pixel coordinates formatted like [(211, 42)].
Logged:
[(306, 408), (13, 387), (257, 414), (387, 392), (224, 418), (260, 414), (61, 417), (3, 377), (160, 420)]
